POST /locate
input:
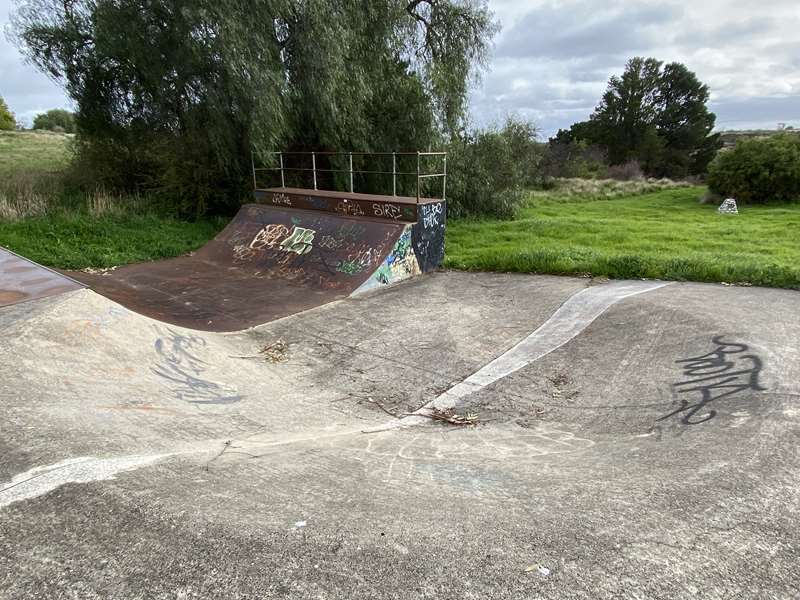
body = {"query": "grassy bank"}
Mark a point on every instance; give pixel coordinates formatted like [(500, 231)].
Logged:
[(665, 234), (78, 241), (42, 219)]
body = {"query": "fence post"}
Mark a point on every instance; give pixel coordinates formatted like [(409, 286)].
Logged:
[(283, 179), (314, 167), (444, 178), (253, 165), (417, 176), (394, 174), (351, 171)]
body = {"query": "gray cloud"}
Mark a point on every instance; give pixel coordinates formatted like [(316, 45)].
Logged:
[(26, 90), (726, 32), (554, 57), (569, 31), (553, 60)]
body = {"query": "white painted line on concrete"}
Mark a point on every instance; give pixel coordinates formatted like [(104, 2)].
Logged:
[(41, 480), (575, 315)]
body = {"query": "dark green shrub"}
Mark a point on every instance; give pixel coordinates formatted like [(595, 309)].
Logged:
[(489, 169), (759, 170), (570, 159), (57, 119)]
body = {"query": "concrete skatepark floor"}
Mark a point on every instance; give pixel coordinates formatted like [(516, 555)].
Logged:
[(650, 452)]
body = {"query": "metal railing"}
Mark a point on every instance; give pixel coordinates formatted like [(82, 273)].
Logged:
[(419, 174)]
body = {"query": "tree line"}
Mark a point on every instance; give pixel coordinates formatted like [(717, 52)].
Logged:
[(173, 96)]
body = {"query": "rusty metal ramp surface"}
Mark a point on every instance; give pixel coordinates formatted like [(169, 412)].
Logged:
[(266, 264), (22, 279)]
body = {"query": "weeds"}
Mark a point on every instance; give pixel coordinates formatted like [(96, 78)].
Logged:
[(604, 189)]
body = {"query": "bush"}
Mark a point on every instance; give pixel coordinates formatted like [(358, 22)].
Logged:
[(489, 169), (568, 159), (7, 120), (757, 171), (57, 119)]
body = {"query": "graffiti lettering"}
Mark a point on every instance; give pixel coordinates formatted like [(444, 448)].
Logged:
[(390, 211), (300, 241), (722, 373), (330, 243), (349, 208), (180, 366), (349, 267), (269, 236), (242, 253), (431, 214), (281, 199)]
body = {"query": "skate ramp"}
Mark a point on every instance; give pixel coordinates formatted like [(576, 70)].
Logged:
[(22, 280), (270, 262)]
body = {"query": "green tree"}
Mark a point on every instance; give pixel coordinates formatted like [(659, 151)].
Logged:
[(655, 114), (173, 95), (7, 120), (628, 110), (56, 119)]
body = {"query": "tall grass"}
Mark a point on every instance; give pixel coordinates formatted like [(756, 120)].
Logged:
[(571, 189)]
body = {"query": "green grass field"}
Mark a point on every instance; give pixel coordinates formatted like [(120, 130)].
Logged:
[(661, 235), (22, 151), (41, 220)]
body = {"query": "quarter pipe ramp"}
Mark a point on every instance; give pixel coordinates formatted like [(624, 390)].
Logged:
[(272, 261)]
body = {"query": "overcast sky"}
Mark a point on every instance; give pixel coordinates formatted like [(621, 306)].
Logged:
[(552, 59)]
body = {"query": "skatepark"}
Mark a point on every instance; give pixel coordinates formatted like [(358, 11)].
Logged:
[(413, 433)]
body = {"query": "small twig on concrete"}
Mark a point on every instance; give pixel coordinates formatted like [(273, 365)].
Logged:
[(448, 415), (221, 452), (275, 352), (383, 408)]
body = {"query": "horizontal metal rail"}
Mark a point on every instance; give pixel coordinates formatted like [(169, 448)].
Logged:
[(318, 170), (363, 153), (394, 172)]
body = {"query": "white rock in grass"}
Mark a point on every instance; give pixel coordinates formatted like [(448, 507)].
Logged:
[(728, 207)]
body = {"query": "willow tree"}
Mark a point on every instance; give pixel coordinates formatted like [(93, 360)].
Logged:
[(172, 95)]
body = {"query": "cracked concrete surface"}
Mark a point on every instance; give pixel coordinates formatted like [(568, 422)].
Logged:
[(587, 476)]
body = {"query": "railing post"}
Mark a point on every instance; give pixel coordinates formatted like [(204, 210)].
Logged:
[(283, 179), (394, 174), (417, 176), (314, 167), (351, 171), (253, 165), (444, 178)]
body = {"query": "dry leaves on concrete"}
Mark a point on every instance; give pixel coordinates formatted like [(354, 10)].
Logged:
[(276, 352), (448, 415)]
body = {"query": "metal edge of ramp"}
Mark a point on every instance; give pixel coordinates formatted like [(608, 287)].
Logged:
[(22, 279)]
